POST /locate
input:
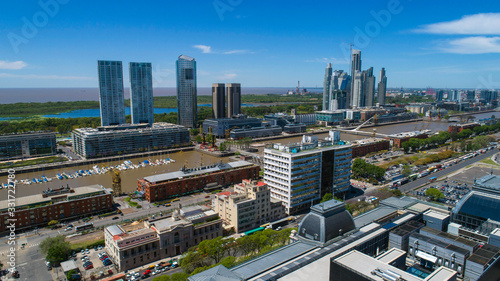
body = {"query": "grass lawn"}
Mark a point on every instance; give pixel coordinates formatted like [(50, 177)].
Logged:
[(489, 161), (36, 161)]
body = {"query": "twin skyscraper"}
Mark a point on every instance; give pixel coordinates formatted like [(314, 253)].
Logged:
[(111, 93), (342, 91)]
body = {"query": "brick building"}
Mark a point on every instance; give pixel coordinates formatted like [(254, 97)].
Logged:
[(460, 127), (365, 146), (56, 204), (398, 139), (186, 181)]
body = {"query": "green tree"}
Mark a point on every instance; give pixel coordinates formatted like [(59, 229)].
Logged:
[(191, 260), (162, 278), (434, 193), (228, 261), (406, 171), (213, 248), (194, 132), (179, 276), (56, 249), (327, 197), (222, 146), (53, 222), (70, 273)]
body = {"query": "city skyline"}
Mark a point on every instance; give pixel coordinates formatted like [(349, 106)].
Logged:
[(454, 50)]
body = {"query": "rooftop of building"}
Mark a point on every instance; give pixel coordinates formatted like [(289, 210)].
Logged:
[(308, 144), (481, 202), (133, 234), (366, 266), (184, 57), (436, 214), (37, 199), (391, 255), (197, 171), (407, 228), (409, 134), (449, 236), (128, 128), (29, 134), (485, 255), (69, 265), (218, 273), (367, 141), (423, 238), (489, 181)]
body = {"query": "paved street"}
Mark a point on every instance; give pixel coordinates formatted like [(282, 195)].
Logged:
[(419, 182)]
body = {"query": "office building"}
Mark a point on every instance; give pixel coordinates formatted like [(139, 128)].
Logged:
[(26, 145), (161, 187), (300, 174), (161, 237), (61, 204), (187, 100), (355, 66), (382, 87), (262, 132), (369, 87), (141, 92), (248, 206), (358, 87), (219, 127), (233, 99), (218, 100), (358, 266), (111, 92), (326, 87), (480, 204), (127, 139)]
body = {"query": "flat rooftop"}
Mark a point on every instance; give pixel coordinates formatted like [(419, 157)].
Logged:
[(131, 128), (197, 171), (168, 224), (364, 265), (391, 255), (39, 199)]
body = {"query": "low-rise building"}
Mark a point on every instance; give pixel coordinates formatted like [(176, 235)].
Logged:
[(220, 126), (25, 145), (169, 185), (457, 128), (249, 206), (400, 138), (161, 237), (256, 132), (366, 146), (64, 203), (127, 138)]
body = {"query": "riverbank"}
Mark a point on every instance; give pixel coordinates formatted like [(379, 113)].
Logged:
[(94, 161)]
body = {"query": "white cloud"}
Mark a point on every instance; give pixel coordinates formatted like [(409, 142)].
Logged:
[(478, 24), (204, 48), (14, 65), (327, 60), (472, 45), (238, 52), (35, 76), (227, 76)]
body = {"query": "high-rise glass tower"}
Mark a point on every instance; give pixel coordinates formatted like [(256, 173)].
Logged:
[(218, 100), (326, 87), (369, 87), (186, 91), (111, 92), (382, 87), (358, 96), (141, 92), (355, 66), (233, 99)]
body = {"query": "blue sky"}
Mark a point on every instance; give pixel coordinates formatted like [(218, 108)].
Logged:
[(454, 44)]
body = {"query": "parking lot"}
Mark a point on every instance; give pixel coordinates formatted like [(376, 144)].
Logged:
[(98, 268), (452, 190)]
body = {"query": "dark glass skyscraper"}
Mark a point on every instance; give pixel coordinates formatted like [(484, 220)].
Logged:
[(141, 92), (233, 99), (186, 91), (218, 100), (111, 92), (382, 87), (326, 87)]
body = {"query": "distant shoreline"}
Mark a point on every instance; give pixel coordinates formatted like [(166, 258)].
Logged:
[(42, 95)]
